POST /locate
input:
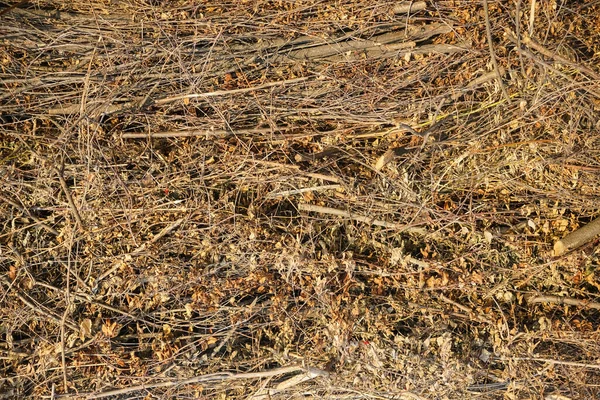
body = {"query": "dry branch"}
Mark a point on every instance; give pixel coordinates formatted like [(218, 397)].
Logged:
[(360, 218), (386, 44), (198, 133), (552, 361), (165, 231), (212, 378), (67, 192), (564, 300), (409, 7), (302, 190), (488, 30), (578, 238), (26, 211), (37, 308), (529, 42), (243, 98), (143, 101), (266, 394)]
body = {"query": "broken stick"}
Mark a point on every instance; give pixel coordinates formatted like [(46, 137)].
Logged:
[(577, 238)]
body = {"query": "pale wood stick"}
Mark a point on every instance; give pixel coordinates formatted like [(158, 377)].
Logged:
[(360, 218), (230, 92), (488, 30), (88, 298), (464, 309), (302, 190), (63, 320), (266, 394), (67, 192), (552, 361), (110, 109), (564, 300), (209, 378), (409, 7), (193, 133), (531, 17), (143, 247), (19, 4), (577, 238)]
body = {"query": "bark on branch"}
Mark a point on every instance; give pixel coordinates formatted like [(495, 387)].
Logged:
[(578, 238)]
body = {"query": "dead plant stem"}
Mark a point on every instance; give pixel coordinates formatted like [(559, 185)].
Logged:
[(217, 377), (38, 308), (360, 218), (560, 300), (488, 30), (67, 193)]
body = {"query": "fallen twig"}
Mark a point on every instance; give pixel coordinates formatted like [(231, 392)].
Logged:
[(143, 247), (360, 218), (88, 298), (309, 374), (386, 44), (564, 300), (26, 211), (583, 86), (465, 309), (19, 4), (551, 361), (529, 42), (303, 190), (531, 17), (488, 30), (196, 133), (577, 238), (37, 307), (67, 192), (110, 109), (409, 6), (218, 377)]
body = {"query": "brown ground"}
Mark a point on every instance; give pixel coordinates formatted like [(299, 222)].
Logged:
[(298, 199)]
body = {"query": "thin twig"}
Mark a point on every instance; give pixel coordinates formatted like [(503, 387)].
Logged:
[(531, 17), (327, 178), (529, 42), (67, 193), (583, 86), (37, 307), (9, 8), (196, 132), (106, 110), (551, 361), (310, 373), (488, 30), (64, 317), (518, 36), (465, 309), (88, 298), (30, 215), (303, 190), (564, 301), (218, 377), (143, 247), (360, 218)]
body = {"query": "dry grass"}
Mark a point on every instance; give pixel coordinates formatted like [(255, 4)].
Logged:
[(298, 199)]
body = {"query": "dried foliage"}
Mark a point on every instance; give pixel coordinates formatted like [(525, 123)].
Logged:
[(298, 199)]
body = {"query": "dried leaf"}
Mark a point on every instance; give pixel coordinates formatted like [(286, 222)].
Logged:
[(85, 329)]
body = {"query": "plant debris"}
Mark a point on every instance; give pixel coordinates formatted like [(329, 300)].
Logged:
[(301, 199)]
